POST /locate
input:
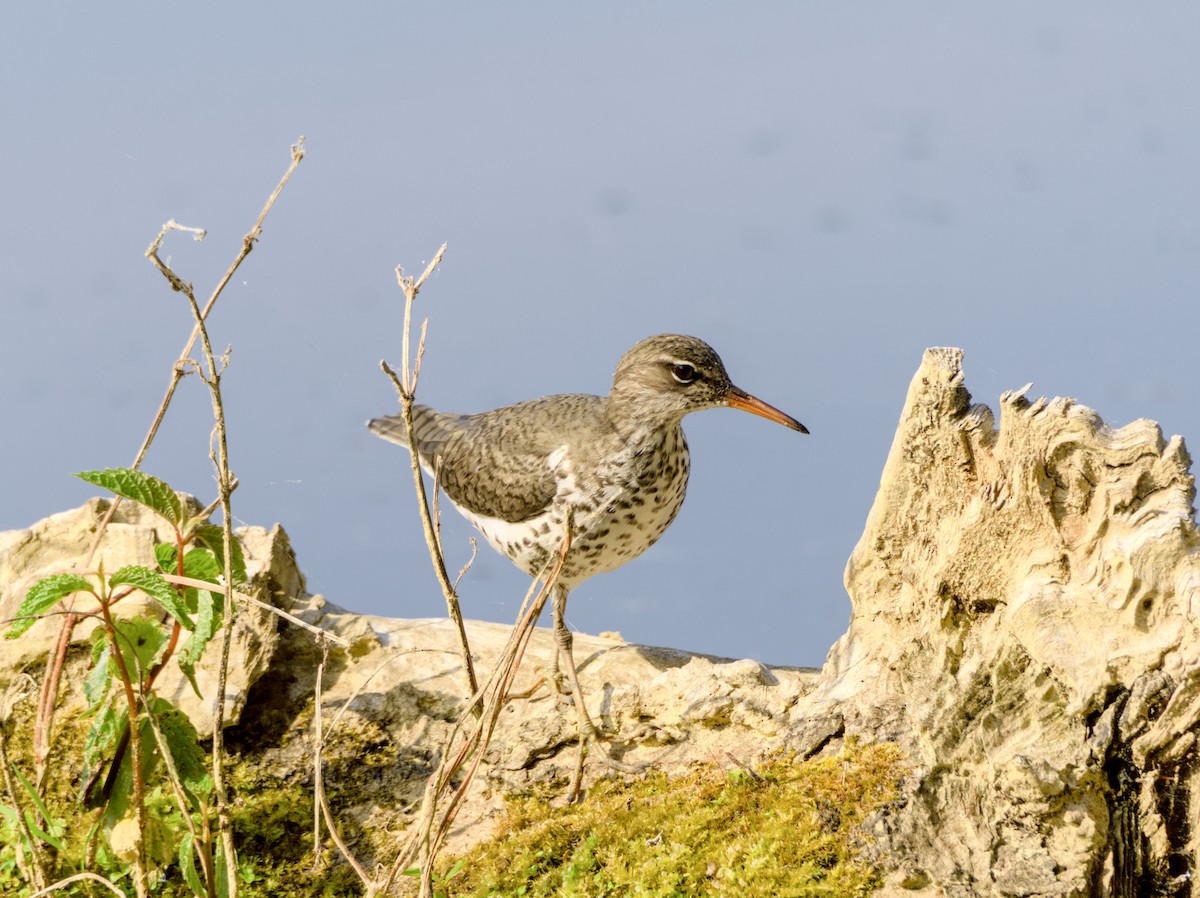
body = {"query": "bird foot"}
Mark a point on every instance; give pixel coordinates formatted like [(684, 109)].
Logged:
[(561, 683), (604, 757)]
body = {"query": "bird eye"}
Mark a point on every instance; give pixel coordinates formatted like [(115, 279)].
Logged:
[(683, 372)]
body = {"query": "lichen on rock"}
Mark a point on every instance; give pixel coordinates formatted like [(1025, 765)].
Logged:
[(1024, 627)]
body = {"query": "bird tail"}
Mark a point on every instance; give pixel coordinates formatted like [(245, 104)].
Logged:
[(432, 428), (391, 428)]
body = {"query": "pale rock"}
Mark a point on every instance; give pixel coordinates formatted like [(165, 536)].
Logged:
[(60, 543), (1023, 627), (1025, 598), (667, 708)]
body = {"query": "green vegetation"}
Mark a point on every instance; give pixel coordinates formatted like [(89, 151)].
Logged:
[(143, 767), (790, 828)]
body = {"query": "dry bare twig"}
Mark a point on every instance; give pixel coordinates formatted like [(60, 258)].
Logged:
[(321, 805), (425, 843), (78, 877), (266, 606), (485, 701), (219, 453), (220, 457), (406, 386), (44, 719)]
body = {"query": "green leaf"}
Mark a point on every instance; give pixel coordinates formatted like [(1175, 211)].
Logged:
[(43, 596), (186, 864), (41, 808), (95, 684), (208, 621), (201, 564), (141, 488), (10, 814), (102, 738), (15, 822), (154, 586), (214, 537), (166, 554), (184, 746), (142, 643), (42, 834)]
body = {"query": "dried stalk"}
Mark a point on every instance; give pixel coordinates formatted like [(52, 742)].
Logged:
[(33, 868), (44, 719), (487, 701), (265, 606), (225, 481), (433, 827), (79, 877), (321, 805), (220, 457), (406, 386)]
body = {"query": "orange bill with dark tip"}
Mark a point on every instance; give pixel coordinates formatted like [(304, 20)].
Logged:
[(742, 400)]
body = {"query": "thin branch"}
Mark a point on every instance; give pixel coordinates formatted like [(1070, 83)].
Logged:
[(79, 877), (431, 539), (318, 744), (470, 561), (406, 385), (321, 806), (266, 606), (433, 263), (224, 490), (44, 720), (427, 840), (225, 481), (181, 801)]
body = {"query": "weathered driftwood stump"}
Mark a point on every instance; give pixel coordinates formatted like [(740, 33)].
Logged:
[(1025, 601)]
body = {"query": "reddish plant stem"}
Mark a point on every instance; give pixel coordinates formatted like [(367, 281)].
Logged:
[(135, 741)]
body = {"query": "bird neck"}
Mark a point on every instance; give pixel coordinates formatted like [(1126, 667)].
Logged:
[(640, 421)]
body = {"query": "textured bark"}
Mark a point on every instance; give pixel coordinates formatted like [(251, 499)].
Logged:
[(1025, 626)]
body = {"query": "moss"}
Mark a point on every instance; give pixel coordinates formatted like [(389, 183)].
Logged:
[(790, 828), (271, 807)]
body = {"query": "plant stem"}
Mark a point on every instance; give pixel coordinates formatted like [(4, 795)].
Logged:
[(135, 741), (32, 867), (225, 482), (54, 665), (406, 387), (224, 491)]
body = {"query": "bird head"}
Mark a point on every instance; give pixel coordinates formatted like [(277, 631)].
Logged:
[(665, 377)]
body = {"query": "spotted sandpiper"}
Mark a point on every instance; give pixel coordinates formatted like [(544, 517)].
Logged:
[(619, 461)]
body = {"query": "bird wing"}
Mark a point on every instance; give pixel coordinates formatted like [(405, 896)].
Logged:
[(498, 463)]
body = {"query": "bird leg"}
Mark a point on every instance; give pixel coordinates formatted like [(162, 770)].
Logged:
[(564, 641), (562, 637)]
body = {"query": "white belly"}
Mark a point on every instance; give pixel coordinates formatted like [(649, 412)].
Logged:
[(620, 511)]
